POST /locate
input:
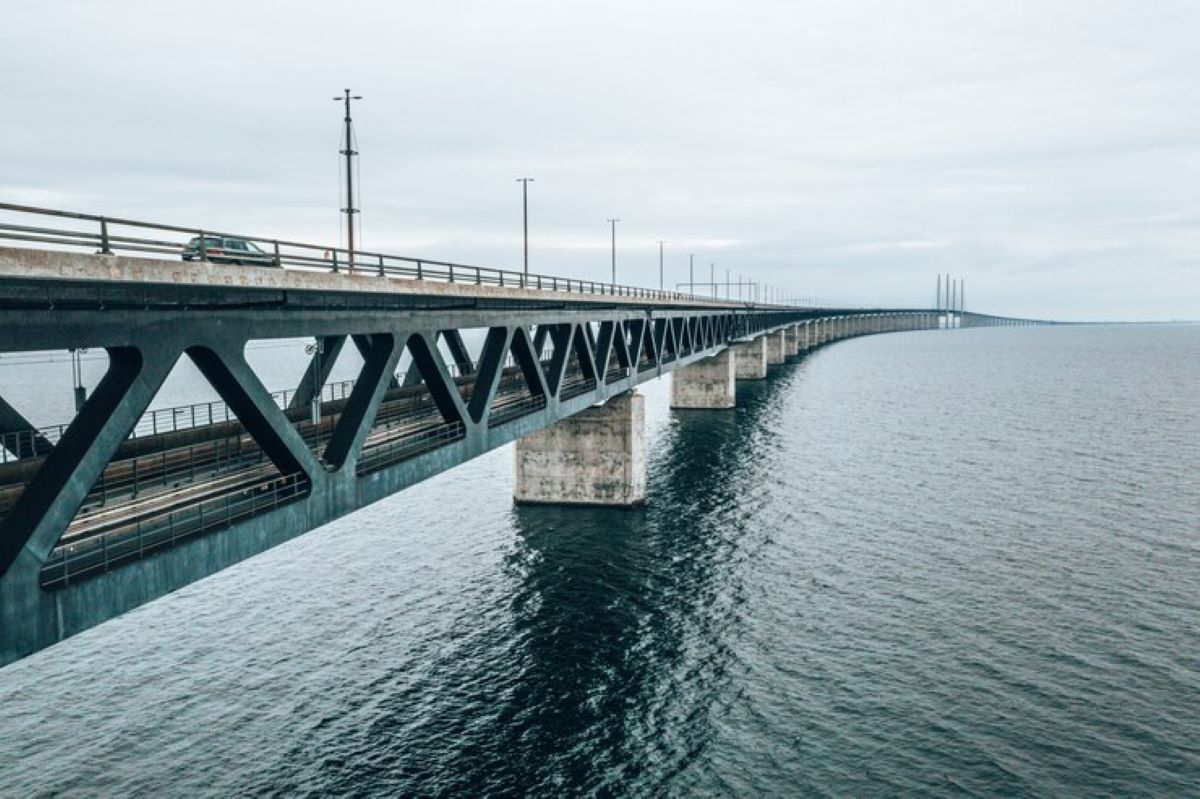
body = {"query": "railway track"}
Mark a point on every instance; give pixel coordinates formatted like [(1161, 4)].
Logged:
[(137, 490)]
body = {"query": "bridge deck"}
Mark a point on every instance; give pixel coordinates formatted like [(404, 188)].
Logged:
[(23, 264)]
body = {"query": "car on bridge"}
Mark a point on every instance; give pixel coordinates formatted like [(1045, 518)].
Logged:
[(226, 250)]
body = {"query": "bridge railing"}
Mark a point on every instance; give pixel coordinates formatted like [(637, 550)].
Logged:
[(71, 561), (23, 444), (111, 235), (20, 444)]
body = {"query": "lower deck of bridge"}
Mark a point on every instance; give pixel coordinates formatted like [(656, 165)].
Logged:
[(161, 488), (171, 486)]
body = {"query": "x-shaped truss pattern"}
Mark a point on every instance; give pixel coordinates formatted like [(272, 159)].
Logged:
[(526, 376), (95, 501)]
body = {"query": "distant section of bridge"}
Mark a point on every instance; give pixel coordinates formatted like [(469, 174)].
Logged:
[(123, 504)]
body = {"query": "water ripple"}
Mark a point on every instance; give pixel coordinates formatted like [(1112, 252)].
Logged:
[(960, 565)]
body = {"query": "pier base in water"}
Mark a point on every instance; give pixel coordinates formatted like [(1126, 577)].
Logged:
[(596, 457), (709, 383), (750, 358), (777, 351)]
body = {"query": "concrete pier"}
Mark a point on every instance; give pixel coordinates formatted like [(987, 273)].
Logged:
[(750, 359), (709, 383), (596, 457), (777, 350)]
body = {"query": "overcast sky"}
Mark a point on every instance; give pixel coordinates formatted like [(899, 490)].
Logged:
[(1046, 152)]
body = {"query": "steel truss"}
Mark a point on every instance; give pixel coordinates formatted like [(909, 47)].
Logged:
[(541, 361)]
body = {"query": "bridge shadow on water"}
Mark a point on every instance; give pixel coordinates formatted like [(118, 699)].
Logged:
[(604, 666)]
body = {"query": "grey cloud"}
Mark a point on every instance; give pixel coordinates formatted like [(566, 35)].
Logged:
[(1047, 153)]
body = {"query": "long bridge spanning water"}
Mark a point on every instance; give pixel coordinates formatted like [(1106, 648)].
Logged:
[(123, 504)]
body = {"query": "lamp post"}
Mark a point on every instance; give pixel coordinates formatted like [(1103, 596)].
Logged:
[(660, 264), (614, 222), (349, 152), (525, 219), (692, 273)]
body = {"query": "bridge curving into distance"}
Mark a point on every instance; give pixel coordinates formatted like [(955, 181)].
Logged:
[(124, 504)]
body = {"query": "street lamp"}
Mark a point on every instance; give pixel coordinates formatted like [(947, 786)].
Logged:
[(660, 264), (349, 152), (525, 219), (614, 222), (692, 273)]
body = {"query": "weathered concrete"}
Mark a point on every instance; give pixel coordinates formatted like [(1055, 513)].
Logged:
[(710, 383), (597, 457), (795, 342), (808, 336), (750, 359), (776, 347)]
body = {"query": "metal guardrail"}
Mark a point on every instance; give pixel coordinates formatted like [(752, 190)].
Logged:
[(515, 409), (201, 414), (72, 562), (155, 470), (386, 454), (23, 444), (112, 235)]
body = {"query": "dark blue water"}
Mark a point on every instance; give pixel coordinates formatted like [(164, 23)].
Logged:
[(924, 563)]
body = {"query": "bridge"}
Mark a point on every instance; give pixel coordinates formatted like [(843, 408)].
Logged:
[(125, 502)]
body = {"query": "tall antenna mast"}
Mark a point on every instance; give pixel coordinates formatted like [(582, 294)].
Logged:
[(349, 152)]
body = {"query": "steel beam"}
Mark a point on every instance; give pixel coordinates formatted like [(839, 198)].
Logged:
[(21, 437), (316, 375)]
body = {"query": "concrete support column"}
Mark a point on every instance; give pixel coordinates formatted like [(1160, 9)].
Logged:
[(750, 359), (776, 347), (596, 457), (707, 383), (794, 342)]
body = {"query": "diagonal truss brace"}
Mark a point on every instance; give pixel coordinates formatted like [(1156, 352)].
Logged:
[(51, 500)]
